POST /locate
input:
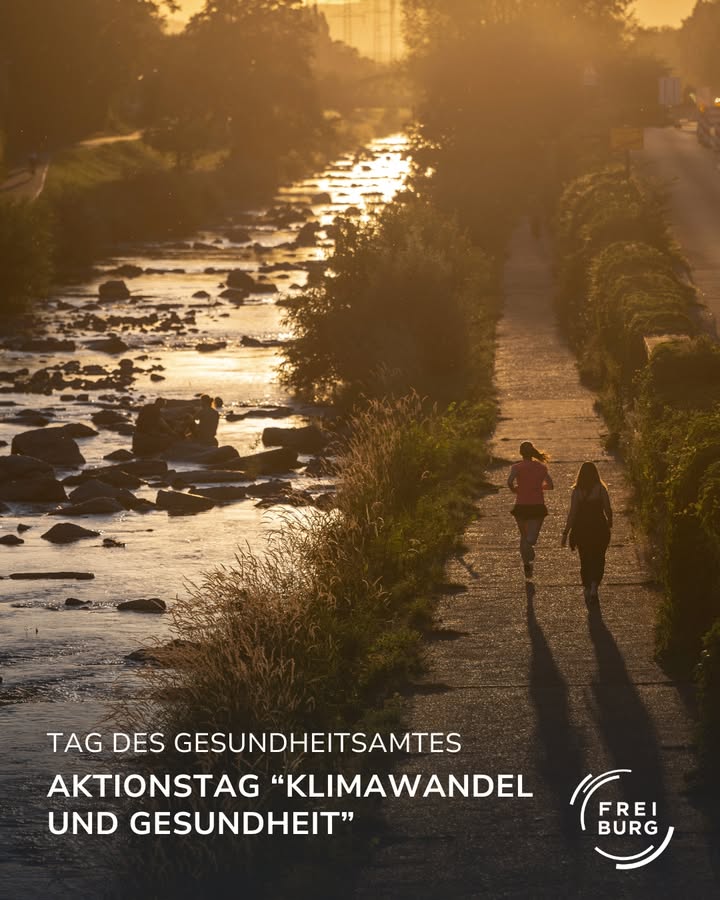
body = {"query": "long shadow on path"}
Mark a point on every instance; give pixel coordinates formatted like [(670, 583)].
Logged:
[(627, 729), (560, 758)]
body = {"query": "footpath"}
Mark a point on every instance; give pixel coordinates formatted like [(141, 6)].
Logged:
[(533, 682)]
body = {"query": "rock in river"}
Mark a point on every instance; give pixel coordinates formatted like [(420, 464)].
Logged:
[(11, 540), (150, 605), (37, 488), (309, 439), (100, 506), (53, 445), (178, 504), (240, 280), (113, 290), (67, 533)]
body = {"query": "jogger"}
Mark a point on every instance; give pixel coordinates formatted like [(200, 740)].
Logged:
[(528, 480), (588, 527)]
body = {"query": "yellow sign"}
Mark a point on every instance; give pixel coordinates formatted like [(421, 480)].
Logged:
[(626, 138)]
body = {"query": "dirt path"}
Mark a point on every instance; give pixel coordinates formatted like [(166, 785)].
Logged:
[(535, 685)]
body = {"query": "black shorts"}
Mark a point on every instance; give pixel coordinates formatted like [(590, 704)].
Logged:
[(529, 511)]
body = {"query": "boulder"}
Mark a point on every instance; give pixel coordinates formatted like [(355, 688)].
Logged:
[(201, 295), (234, 296), (92, 489), (113, 290), (39, 488), (11, 540), (178, 504), (143, 468), (309, 439), (53, 445), (112, 344), (240, 280), (150, 605), (13, 468), (100, 506), (74, 603), (67, 533), (272, 488), (224, 494), (268, 462), (127, 270), (111, 542), (121, 455), (238, 236), (210, 346), (78, 430), (208, 476)]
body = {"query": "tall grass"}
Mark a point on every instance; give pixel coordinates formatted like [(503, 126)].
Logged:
[(322, 630)]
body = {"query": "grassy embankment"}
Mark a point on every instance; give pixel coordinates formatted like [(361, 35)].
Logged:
[(97, 196), (320, 634), (622, 279)]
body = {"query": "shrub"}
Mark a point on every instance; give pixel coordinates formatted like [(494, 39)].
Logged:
[(401, 311), (25, 254), (708, 680), (318, 633)]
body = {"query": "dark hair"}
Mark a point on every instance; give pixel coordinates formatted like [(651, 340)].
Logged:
[(206, 399), (587, 477), (529, 451), (218, 402)]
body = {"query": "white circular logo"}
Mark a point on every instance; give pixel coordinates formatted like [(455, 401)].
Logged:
[(619, 822)]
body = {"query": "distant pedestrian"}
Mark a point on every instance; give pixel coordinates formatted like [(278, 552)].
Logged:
[(588, 527), (528, 480)]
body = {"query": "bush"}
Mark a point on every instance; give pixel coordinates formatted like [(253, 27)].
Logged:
[(25, 254), (406, 308), (708, 680), (318, 633)]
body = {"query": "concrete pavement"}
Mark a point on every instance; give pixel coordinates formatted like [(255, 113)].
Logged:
[(533, 682)]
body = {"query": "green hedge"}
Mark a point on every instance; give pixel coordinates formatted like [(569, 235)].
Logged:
[(621, 279)]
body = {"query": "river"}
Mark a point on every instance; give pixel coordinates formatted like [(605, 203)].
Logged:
[(63, 667)]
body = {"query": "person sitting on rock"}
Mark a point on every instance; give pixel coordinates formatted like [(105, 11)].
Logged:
[(207, 422), (152, 432)]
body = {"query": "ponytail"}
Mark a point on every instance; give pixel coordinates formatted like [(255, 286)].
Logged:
[(529, 451)]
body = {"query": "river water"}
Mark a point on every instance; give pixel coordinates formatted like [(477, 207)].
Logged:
[(62, 668)]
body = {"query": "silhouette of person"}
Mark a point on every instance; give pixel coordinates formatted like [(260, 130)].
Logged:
[(588, 527), (152, 432), (207, 422), (528, 480)]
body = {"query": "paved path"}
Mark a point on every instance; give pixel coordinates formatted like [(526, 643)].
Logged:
[(692, 173), (532, 682), (22, 184)]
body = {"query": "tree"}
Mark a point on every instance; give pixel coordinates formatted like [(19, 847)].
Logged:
[(239, 77), (62, 64)]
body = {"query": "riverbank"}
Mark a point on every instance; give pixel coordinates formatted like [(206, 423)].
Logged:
[(66, 665), (101, 195)]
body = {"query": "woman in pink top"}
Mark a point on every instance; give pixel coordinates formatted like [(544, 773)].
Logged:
[(528, 480)]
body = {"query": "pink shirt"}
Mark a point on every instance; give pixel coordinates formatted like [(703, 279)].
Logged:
[(529, 477)]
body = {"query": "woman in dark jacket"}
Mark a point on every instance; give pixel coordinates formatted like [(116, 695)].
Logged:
[(588, 527)]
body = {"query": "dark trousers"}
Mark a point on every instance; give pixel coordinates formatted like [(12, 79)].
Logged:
[(592, 562)]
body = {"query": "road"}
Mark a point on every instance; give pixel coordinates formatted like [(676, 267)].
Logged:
[(692, 174)]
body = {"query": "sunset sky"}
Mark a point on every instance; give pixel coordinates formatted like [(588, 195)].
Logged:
[(650, 12)]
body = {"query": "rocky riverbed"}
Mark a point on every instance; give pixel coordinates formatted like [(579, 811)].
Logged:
[(85, 526)]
